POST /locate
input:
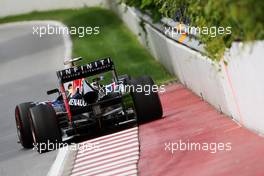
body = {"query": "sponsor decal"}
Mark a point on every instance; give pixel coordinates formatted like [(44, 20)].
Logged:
[(77, 102), (77, 84), (86, 70)]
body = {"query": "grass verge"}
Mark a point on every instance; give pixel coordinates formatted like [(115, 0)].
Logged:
[(114, 40)]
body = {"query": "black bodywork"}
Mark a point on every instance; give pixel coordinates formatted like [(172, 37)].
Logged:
[(93, 105), (107, 111)]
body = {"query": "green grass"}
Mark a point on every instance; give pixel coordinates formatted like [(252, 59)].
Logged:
[(114, 40)]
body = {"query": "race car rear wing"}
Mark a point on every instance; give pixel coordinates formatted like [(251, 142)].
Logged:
[(87, 70)]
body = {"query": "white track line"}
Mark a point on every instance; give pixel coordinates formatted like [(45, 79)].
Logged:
[(109, 151), (115, 163), (90, 152), (115, 155), (109, 168), (89, 164), (100, 145), (129, 170)]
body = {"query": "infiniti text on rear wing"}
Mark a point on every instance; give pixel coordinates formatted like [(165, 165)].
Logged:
[(87, 70)]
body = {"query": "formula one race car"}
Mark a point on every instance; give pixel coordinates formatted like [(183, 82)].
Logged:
[(90, 102)]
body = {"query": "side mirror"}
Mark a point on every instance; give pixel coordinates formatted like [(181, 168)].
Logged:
[(53, 91)]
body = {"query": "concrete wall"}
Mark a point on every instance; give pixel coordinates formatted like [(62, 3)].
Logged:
[(244, 83), (237, 89), (14, 7)]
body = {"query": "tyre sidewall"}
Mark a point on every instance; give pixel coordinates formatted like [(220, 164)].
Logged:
[(21, 117), (44, 128)]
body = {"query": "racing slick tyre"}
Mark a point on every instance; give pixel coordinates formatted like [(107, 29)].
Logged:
[(22, 124), (146, 102), (44, 128)]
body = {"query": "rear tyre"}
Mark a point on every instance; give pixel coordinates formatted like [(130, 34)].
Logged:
[(22, 124), (44, 128), (147, 103)]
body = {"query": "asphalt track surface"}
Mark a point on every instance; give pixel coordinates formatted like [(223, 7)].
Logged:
[(189, 119), (27, 69)]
